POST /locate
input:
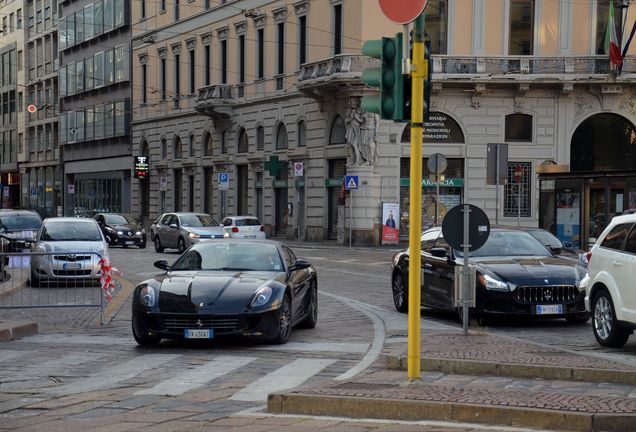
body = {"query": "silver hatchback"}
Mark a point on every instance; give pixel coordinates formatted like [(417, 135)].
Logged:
[(181, 230)]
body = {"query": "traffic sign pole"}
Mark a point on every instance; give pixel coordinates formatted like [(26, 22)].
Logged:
[(415, 199)]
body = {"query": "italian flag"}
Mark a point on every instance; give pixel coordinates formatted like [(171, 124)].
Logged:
[(611, 41)]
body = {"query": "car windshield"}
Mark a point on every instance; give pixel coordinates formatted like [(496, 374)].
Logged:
[(198, 221), (70, 231), (247, 222), (240, 256), (546, 238), (509, 243), (21, 222), (115, 219)]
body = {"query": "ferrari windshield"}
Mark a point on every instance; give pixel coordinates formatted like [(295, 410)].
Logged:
[(509, 243), (237, 256)]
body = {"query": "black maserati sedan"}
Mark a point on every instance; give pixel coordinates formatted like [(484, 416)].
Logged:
[(516, 275), (227, 288), (121, 230)]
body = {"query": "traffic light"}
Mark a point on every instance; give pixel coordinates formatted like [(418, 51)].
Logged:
[(427, 85), (388, 78)]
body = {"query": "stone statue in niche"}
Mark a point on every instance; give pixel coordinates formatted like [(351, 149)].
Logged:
[(361, 132)]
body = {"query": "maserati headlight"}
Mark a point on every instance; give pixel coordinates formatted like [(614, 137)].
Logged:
[(147, 296), (138, 233), (490, 283), (120, 232), (193, 235), (262, 296)]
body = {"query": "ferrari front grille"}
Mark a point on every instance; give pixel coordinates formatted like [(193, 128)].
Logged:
[(219, 323)]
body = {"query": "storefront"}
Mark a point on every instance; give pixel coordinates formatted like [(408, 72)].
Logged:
[(576, 205), (42, 190)]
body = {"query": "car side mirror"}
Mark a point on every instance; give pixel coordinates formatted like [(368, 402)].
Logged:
[(162, 264), (174, 226), (299, 265), (555, 250)]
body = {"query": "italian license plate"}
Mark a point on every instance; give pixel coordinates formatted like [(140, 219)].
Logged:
[(198, 333), (250, 236), (130, 242), (556, 309), (72, 266)]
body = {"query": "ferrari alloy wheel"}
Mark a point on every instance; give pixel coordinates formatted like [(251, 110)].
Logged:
[(181, 245), (141, 333), (158, 247), (142, 245), (284, 322), (605, 324), (312, 315), (400, 293)]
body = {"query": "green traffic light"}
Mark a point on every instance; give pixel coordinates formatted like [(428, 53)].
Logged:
[(388, 77)]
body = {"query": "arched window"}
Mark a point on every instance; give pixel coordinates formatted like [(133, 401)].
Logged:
[(207, 144), (302, 134), (519, 127), (243, 142), (260, 138), (178, 150), (338, 131), (281, 137), (144, 148)]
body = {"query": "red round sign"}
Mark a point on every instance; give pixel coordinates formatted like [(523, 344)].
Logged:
[(32, 108), (402, 11)]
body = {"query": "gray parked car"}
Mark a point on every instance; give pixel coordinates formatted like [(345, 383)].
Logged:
[(67, 248), (181, 230)]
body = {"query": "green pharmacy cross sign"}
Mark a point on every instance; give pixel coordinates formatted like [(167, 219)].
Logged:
[(274, 166)]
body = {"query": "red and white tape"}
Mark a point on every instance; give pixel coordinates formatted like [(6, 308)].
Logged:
[(106, 278)]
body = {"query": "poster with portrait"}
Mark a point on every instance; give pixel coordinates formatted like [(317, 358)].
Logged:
[(390, 223), (568, 222)]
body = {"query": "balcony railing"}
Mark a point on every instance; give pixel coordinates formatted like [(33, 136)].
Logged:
[(215, 92), (216, 101), (342, 64)]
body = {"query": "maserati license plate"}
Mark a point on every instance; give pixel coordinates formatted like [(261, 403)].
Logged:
[(198, 333), (556, 309)]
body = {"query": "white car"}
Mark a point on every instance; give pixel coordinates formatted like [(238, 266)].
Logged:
[(243, 227), (610, 294), (67, 248)]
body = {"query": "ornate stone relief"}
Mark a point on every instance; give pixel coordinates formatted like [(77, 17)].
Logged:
[(240, 27), (628, 104), (222, 33), (143, 58), (206, 38), (176, 48), (191, 43), (361, 134), (280, 14), (583, 105), (162, 52), (301, 7)]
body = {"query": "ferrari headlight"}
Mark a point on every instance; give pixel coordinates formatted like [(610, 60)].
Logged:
[(193, 235), (226, 234), (262, 296), (147, 296), (490, 283)]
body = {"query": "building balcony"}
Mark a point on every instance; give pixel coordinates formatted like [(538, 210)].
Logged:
[(321, 79), (325, 78), (216, 101)]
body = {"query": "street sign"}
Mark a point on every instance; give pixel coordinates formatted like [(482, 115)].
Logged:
[(224, 181), (437, 163), (351, 182), (70, 188), (32, 109), (163, 183), (402, 11), (478, 227), (141, 167), (299, 169)]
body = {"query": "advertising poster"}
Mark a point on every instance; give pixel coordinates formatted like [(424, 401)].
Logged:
[(390, 223), (568, 226)]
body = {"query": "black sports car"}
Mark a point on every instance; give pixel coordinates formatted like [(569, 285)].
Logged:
[(18, 229), (227, 288), (121, 230), (515, 275)]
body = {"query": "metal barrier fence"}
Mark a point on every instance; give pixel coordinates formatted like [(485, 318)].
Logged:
[(51, 280)]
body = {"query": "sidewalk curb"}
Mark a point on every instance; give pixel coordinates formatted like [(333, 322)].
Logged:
[(113, 308), (17, 330), (474, 367), (410, 410)]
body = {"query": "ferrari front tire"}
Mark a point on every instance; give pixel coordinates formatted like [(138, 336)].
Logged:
[(284, 322), (312, 315), (142, 334)]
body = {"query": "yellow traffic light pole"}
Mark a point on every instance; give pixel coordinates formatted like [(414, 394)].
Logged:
[(418, 75)]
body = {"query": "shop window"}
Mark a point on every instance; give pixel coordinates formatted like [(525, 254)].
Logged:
[(437, 25), (281, 137), (338, 131), (518, 190), (243, 142), (518, 127)]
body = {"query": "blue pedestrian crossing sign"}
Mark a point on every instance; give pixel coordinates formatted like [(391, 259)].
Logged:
[(351, 182)]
